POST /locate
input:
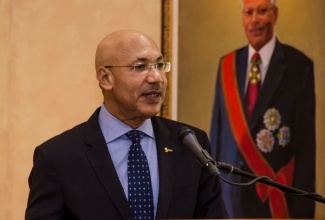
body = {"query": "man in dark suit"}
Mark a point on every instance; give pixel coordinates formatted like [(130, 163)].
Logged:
[(86, 172), (264, 119)]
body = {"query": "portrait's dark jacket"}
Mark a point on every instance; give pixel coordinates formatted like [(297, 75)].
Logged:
[(289, 88), (73, 177)]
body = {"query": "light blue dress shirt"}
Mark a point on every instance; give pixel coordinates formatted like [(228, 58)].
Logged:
[(118, 145)]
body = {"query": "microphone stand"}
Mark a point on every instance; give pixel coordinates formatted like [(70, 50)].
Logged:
[(187, 137), (287, 189)]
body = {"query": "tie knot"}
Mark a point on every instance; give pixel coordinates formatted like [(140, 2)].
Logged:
[(256, 59), (134, 135)]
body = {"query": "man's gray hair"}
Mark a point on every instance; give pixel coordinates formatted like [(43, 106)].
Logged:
[(273, 2)]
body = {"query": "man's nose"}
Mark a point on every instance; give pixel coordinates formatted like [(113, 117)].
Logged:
[(155, 75), (255, 16)]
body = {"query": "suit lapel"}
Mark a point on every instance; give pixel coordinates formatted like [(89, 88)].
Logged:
[(102, 163), (241, 66), (272, 80), (166, 164)]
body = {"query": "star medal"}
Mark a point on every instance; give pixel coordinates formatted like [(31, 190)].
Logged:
[(284, 136), (272, 119), (265, 140), (254, 75)]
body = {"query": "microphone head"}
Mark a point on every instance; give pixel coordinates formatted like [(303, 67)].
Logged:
[(182, 132), (187, 137)]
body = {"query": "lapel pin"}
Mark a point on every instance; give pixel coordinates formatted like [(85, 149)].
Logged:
[(167, 150)]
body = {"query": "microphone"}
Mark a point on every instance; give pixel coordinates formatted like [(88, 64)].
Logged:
[(187, 137)]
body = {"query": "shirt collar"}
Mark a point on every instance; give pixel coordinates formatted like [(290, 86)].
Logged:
[(265, 52), (112, 128)]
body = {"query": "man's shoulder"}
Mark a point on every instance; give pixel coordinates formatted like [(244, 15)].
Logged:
[(237, 51), (293, 52), (68, 136), (73, 136)]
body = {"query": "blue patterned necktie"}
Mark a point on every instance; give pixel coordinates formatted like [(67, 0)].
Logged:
[(139, 182)]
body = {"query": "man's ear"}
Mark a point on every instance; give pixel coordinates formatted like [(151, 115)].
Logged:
[(105, 78)]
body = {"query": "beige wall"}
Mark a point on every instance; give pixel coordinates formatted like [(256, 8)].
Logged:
[(209, 29), (47, 81), (47, 75)]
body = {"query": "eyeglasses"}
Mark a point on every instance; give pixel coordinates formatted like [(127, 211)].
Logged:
[(260, 11), (145, 68)]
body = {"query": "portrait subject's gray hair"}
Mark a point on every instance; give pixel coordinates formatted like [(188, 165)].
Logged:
[(273, 2)]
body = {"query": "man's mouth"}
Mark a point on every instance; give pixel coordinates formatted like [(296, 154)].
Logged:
[(256, 30), (152, 94)]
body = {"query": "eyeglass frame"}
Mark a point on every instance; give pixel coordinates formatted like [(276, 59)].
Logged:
[(167, 65), (259, 11)]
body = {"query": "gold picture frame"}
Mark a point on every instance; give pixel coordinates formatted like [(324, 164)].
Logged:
[(166, 47)]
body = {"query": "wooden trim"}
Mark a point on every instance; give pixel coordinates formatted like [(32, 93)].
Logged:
[(166, 48)]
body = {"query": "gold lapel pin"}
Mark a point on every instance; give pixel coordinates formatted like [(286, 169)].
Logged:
[(167, 150)]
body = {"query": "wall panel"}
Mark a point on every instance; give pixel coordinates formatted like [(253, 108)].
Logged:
[(47, 75)]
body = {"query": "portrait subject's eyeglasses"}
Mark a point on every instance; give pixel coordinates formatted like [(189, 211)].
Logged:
[(145, 68), (259, 11)]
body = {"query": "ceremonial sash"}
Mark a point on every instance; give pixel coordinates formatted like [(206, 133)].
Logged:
[(246, 144)]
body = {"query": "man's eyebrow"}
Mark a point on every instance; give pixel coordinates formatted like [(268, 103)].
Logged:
[(146, 59), (160, 58)]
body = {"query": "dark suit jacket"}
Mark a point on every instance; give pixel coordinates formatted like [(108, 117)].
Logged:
[(74, 177), (289, 88)]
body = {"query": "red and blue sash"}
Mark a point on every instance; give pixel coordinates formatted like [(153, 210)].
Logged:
[(246, 144)]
